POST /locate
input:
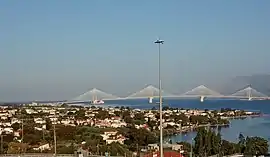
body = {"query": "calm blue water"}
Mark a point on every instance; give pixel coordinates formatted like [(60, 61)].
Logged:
[(249, 127), (263, 106)]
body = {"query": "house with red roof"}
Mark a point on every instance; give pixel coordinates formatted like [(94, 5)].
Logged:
[(166, 154)]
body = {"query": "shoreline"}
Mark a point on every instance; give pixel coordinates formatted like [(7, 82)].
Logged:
[(171, 132), (245, 116)]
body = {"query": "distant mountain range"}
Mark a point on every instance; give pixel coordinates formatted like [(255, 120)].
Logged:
[(261, 83)]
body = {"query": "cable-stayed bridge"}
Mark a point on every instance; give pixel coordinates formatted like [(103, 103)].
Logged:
[(94, 94), (201, 91), (151, 91), (249, 92)]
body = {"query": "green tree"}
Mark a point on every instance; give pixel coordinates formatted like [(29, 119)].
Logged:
[(86, 133), (256, 146), (139, 137), (116, 149), (228, 148), (242, 142), (126, 117), (181, 118), (102, 114), (198, 119), (186, 147), (66, 149), (207, 143), (65, 133), (151, 124), (48, 124), (118, 113), (199, 147), (15, 126), (16, 148), (80, 114), (139, 116)]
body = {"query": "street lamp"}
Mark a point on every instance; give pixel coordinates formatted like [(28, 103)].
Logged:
[(54, 134), (160, 98), (191, 147)]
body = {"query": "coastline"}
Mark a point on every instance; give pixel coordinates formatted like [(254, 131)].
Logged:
[(245, 116), (171, 132), (187, 129)]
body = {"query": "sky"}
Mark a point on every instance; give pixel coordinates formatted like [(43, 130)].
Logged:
[(55, 50)]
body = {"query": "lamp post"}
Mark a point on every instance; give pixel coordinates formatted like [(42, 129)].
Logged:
[(191, 147), (54, 134), (160, 98)]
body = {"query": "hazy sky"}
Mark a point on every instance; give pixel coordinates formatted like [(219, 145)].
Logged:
[(59, 49)]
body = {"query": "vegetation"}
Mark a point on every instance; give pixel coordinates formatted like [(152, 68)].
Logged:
[(139, 132), (138, 137), (208, 143)]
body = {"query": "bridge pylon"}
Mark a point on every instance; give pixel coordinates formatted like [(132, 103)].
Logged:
[(202, 91), (150, 92), (95, 94), (248, 93)]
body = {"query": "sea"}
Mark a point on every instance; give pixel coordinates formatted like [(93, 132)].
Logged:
[(259, 126)]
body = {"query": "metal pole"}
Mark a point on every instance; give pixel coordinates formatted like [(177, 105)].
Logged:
[(160, 97), (97, 149), (191, 148), (22, 132), (22, 129), (181, 131), (54, 134), (1, 144), (43, 133)]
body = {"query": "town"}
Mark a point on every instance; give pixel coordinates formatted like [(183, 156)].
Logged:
[(94, 130)]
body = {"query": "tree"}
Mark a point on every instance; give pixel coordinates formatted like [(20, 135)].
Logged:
[(86, 133), (117, 113), (182, 118), (117, 149), (199, 148), (66, 149), (33, 139), (139, 116), (15, 126), (256, 146), (154, 108), (102, 114), (186, 147), (139, 137), (242, 142), (207, 143), (65, 133), (198, 119), (151, 124), (126, 117), (228, 148), (166, 108), (48, 124), (80, 114), (16, 148)]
